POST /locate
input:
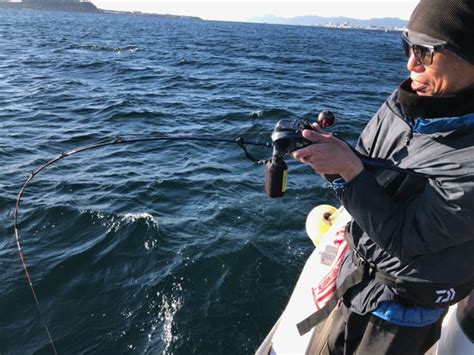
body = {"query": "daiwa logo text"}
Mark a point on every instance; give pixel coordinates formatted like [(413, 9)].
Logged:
[(445, 295)]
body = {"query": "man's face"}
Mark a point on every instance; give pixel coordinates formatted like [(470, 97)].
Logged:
[(447, 75)]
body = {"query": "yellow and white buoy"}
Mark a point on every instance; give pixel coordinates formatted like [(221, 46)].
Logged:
[(319, 221)]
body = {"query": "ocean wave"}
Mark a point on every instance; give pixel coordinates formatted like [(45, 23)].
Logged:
[(106, 48), (133, 115), (133, 217), (273, 113), (94, 64), (168, 307)]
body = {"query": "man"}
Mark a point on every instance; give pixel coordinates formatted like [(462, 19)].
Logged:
[(412, 228)]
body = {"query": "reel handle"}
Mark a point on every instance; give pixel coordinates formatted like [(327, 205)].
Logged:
[(326, 119)]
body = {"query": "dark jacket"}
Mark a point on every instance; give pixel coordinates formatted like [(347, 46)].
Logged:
[(413, 228)]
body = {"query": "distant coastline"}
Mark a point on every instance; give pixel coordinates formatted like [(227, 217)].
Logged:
[(59, 5), (380, 24), (75, 6)]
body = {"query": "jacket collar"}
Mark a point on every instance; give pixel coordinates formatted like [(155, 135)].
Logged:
[(442, 125), (428, 107)]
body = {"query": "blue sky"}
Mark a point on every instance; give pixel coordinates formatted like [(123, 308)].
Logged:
[(231, 10)]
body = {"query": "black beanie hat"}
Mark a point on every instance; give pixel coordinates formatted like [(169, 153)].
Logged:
[(448, 20)]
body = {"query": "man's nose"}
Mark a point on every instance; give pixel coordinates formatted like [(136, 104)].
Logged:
[(414, 65)]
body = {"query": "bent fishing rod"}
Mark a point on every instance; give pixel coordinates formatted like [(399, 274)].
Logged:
[(286, 137), (110, 142)]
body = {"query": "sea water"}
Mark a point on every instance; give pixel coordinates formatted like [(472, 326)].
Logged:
[(163, 247)]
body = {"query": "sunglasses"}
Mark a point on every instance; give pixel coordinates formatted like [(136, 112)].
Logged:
[(423, 53)]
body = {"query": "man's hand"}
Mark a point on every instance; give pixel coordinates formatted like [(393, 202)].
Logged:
[(329, 155)]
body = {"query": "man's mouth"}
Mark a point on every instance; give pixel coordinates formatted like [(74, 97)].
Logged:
[(417, 85)]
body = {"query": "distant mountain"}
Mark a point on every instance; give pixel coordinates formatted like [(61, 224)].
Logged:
[(383, 23), (62, 5), (76, 6)]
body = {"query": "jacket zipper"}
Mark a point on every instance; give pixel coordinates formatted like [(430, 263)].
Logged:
[(410, 123), (409, 136)]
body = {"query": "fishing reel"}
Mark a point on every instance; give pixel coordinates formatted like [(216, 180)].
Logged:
[(286, 138)]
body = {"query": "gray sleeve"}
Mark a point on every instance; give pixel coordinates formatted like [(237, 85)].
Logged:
[(437, 218)]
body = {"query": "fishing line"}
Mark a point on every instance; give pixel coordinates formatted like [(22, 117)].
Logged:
[(104, 143)]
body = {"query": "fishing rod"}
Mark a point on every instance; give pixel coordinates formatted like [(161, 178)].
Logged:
[(110, 142), (286, 137)]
